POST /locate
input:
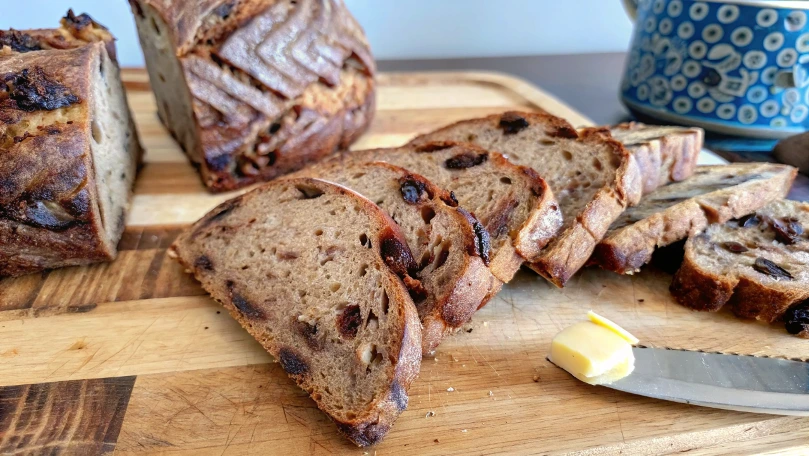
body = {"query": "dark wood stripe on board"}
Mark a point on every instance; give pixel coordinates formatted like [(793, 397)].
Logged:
[(142, 270), (73, 417)]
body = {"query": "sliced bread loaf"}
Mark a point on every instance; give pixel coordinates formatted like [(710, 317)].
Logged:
[(450, 246), (758, 265), (514, 204), (312, 271), (664, 154), (592, 176), (714, 194)]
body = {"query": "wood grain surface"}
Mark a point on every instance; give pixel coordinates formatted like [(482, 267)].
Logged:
[(133, 357)]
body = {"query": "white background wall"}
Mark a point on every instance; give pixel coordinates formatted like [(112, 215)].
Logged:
[(405, 28)]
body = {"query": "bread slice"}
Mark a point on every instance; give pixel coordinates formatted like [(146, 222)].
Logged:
[(450, 246), (592, 176), (758, 265), (312, 271), (514, 204), (664, 154), (715, 194)]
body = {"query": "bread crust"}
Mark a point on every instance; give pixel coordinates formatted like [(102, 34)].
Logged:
[(748, 292), (626, 249), (273, 85), (371, 424), (663, 154), (49, 209)]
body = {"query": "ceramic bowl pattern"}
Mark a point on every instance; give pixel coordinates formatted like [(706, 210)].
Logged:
[(738, 69)]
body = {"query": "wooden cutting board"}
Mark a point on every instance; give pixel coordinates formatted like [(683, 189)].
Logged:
[(132, 357)]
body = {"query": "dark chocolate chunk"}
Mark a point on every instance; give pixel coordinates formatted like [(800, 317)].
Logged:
[(796, 319), (787, 231), (244, 306), (292, 363), (33, 90), (434, 146), (466, 160), (412, 190), (348, 322), (396, 255), (771, 269), (735, 247), (511, 123), (483, 244)]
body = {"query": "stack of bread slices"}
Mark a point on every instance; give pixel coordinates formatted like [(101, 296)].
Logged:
[(348, 271)]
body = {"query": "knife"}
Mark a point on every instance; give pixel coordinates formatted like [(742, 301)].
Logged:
[(731, 382)]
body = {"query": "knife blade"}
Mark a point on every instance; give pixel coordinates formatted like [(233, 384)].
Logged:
[(732, 382)]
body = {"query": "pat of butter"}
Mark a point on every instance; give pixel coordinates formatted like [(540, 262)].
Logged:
[(597, 351)]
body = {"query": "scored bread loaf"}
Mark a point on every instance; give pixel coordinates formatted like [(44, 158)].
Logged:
[(514, 204), (757, 265), (254, 89), (69, 149), (591, 175), (714, 194), (312, 271), (664, 154), (450, 246)]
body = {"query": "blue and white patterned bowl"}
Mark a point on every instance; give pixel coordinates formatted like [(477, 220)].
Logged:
[(735, 67)]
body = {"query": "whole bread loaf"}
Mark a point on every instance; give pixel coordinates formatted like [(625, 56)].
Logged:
[(254, 89), (514, 204), (68, 147), (450, 246), (591, 175), (664, 154), (312, 271), (714, 194), (758, 265)]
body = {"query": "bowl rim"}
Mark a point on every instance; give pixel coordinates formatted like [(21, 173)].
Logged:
[(766, 4)]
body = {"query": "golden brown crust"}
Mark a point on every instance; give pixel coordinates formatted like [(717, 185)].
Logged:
[(48, 210), (373, 423), (275, 84)]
